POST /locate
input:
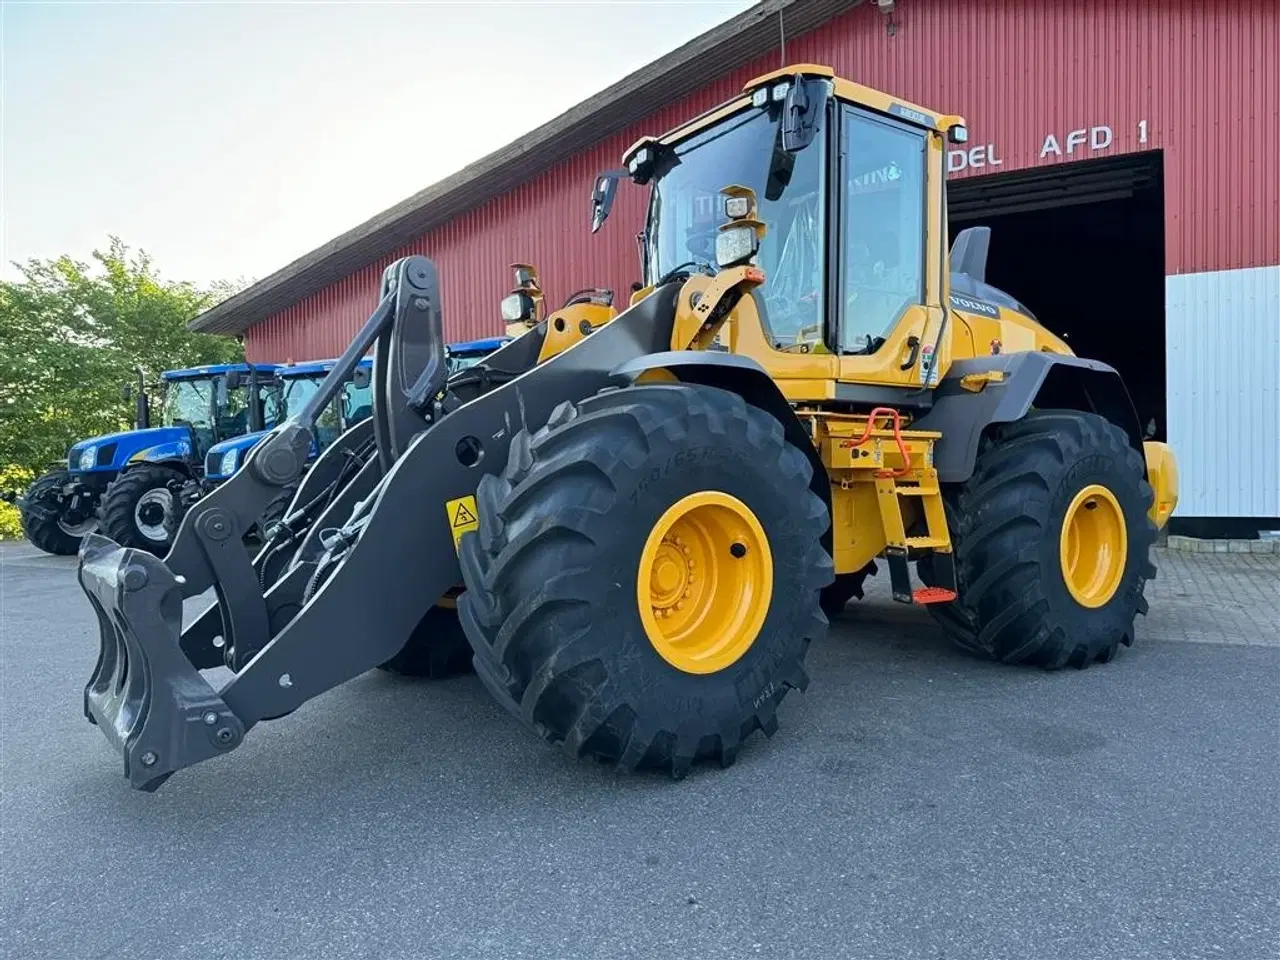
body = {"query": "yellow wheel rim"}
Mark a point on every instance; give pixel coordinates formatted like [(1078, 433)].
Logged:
[(1093, 546), (705, 582)]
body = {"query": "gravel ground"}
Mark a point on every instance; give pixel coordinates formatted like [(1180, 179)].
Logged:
[(916, 804)]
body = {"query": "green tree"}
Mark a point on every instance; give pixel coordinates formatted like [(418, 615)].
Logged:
[(71, 334)]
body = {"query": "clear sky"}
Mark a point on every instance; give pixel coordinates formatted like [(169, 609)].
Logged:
[(227, 139)]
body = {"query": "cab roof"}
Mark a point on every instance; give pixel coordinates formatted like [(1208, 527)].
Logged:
[(314, 368), (487, 345), (214, 369), (845, 90)]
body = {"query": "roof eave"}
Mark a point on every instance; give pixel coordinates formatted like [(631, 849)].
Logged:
[(728, 45)]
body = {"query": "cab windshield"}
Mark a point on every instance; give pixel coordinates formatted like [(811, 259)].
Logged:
[(188, 403), (460, 361), (297, 391), (686, 208)]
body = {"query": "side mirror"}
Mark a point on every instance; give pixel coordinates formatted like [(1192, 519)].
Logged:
[(361, 377), (517, 307), (126, 392), (233, 379), (802, 112), (602, 197)]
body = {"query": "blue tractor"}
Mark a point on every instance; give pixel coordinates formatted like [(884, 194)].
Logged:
[(130, 484), (460, 356), (299, 383), (351, 405)]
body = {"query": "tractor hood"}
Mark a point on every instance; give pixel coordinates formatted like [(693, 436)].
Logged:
[(112, 451), (217, 466)]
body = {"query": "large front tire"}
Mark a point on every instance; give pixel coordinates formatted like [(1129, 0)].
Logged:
[(1052, 543), (583, 605), (140, 508)]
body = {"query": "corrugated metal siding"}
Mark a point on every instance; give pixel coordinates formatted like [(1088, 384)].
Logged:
[(1203, 76), (1224, 391)]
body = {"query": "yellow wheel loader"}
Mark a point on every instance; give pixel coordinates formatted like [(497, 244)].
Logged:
[(639, 532)]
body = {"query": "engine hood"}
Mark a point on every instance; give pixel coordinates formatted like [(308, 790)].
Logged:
[(113, 450)]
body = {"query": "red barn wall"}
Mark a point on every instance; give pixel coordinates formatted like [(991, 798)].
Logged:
[(1198, 80)]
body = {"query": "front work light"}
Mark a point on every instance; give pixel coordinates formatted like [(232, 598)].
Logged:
[(516, 307), (736, 245), (735, 208)]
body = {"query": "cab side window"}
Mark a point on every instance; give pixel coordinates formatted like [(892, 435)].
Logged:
[(273, 411), (882, 227)]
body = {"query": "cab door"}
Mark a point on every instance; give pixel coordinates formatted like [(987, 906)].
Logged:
[(887, 296)]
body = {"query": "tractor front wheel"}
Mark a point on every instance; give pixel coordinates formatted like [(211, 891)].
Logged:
[(1052, 543), (140, 508), (45, 520), (643, 585)]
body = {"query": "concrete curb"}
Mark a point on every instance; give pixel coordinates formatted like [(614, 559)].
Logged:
[(1195, 545)]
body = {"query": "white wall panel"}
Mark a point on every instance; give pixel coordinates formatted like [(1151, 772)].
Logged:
[(1223, 381)]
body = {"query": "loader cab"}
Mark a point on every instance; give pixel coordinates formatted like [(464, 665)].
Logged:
[(853, 249)]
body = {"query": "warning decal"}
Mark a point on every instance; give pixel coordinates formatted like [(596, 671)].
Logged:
[(462, 517)]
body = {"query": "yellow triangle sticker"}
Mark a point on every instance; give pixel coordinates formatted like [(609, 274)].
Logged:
[(463, 517)]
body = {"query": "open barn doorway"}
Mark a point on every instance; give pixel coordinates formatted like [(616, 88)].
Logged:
[(1082, 245)]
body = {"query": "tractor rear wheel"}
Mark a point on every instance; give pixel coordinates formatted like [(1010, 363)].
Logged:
[(643, 584), (1052, 543), (140, 508), (436, 649), (47, 526)]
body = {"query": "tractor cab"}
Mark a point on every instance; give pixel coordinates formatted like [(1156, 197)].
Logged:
[(215, 403), (299, 382), (461, 356)]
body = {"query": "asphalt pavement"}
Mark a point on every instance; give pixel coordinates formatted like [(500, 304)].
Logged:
[(916, 803)]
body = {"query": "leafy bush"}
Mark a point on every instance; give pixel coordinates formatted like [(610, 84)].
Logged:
[(12, 478), (73, 334)]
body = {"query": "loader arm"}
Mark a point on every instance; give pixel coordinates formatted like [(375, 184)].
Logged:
[(144, 693), (371, 579), (381, 558)]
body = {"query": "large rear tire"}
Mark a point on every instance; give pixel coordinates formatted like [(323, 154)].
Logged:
[(643, 584), (140, 509), (847, 586), (1052, 543), (436, 649), (46, 526)]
